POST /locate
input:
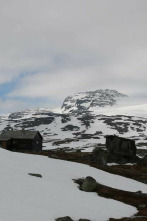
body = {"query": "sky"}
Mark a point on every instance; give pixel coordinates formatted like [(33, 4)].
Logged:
[(50, 49)]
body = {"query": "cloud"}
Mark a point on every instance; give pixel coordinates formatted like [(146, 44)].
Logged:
[(10, 105), (55, 48)]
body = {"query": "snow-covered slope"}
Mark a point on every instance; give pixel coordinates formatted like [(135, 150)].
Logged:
[(24, 197), (83, 129), (129, 110)]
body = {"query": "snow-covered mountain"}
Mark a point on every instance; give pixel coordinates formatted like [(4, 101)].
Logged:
[(74, 127), (85, 100)]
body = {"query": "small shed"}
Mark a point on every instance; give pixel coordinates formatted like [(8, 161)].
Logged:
[(120, 150), (21, 140)]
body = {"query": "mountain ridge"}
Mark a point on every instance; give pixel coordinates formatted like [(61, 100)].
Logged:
[(82, 101), (83, 128)]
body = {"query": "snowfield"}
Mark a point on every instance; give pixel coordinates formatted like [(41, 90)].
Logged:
[(139, 110), (27, 198)]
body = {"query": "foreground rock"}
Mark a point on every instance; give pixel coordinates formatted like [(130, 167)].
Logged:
[(120, 150), (35, 174), (89, 184)]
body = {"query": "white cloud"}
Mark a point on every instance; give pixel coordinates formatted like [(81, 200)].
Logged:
[(10, 105), (71, 46)]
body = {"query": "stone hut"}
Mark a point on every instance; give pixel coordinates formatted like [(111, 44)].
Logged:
[(120, 150)]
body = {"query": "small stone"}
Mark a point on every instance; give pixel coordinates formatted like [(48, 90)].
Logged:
[(141, 206), (84, 220), (35, 174), (89, 184), (65, 218), (54, 156), (78, 151), (139, 192)]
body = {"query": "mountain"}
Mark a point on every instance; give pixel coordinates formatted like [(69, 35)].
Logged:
[(83, 127), (85, 100)]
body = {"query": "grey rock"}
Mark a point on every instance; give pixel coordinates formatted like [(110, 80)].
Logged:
[(143, 161), (138, 193), (84, 220), (141, 206), (54, 156), (100, 156), (65, 218), (78, 151), (89, 184), (35, 174)]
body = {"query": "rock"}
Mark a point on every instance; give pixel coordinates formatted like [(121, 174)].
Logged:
[(35, 174), (138, 193), (141, 206), (54, 156), (89, 184), (84, 220), (100, 156), (80, 102), (120, 150), (65, 218), (143, 161), (80, 181), (78, 151)]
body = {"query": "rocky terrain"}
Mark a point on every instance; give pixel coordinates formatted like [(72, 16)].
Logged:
[(85, 100), (111, 171)]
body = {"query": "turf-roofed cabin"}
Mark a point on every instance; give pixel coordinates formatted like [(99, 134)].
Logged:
[(21, 140)]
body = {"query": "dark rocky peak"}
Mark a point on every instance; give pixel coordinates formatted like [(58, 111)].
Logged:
[(84, 100)]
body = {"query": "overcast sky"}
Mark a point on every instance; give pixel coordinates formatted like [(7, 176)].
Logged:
[(50, 49)]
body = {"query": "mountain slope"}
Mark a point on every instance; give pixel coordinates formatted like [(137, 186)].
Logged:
[(83, 129), (85, 100)]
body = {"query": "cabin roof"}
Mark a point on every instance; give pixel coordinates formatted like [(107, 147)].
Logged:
[(18, 134)]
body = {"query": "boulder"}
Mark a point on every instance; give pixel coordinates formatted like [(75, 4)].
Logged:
[(89, 184), (120, 150), (100, 156)]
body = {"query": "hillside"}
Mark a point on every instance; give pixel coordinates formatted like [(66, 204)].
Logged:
[(73, 126), (25, 197), (37, 187)]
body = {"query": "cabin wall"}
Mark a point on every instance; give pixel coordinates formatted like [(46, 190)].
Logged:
[(37, 143), (3, 144), (20, 145)]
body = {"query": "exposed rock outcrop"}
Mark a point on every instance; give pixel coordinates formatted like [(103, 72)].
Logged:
[(84, 100)]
